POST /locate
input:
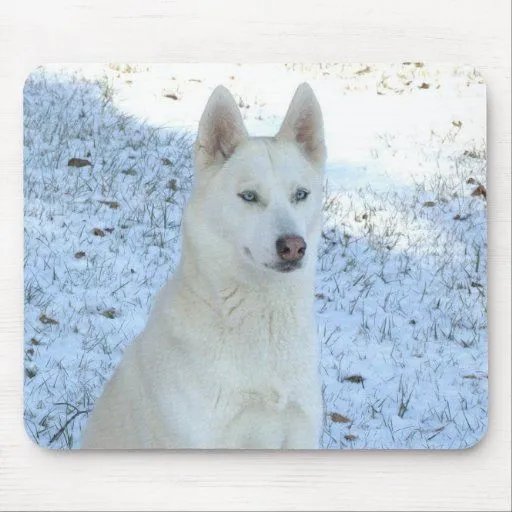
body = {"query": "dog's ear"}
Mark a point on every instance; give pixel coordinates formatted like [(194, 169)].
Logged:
[(304, 125), (221, 130)]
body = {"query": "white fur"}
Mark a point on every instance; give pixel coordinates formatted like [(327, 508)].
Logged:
[(229, 357)]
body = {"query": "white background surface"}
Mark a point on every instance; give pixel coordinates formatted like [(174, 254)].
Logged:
[(475, 32)]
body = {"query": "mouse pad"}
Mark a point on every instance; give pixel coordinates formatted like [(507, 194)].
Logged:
[(231, 256)]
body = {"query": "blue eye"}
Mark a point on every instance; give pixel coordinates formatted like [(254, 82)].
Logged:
[(301, 194), (249, 196)]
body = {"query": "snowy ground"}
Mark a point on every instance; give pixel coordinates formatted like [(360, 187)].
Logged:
[(402, 271)]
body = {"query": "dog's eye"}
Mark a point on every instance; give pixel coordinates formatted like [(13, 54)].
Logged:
[(249, 196), (301, 194)]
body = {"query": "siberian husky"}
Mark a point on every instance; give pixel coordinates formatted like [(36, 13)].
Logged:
[(229, 356)]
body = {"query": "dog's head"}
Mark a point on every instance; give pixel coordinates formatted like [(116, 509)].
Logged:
[(260, 196)]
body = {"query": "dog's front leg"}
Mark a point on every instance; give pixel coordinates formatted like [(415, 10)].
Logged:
[(302, 429), (254, 427)]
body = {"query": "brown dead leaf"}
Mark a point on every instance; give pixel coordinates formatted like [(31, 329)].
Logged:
[(172, 184), (350, 437), (109, 313), (472, 154), (78, 162), (429, 204), (111, 204), (363, 71), (166, 161), (47, 320), (339, 418), (471, 181), (473, 376), (98, 232), (457, 124), (480, 191), (79, 255), (355, 379), (424, 85), (30, 372)]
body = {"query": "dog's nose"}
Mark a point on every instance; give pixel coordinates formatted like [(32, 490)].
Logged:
[(291, 247)]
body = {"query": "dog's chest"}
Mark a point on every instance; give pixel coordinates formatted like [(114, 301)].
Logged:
[(249, 349), (266, 356)]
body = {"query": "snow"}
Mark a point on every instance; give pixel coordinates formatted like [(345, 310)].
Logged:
[(401, 282)]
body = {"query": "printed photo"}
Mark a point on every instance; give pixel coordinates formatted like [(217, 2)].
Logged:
[(255, 256)]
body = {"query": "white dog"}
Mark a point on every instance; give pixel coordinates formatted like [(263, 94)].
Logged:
[(229, 356)]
